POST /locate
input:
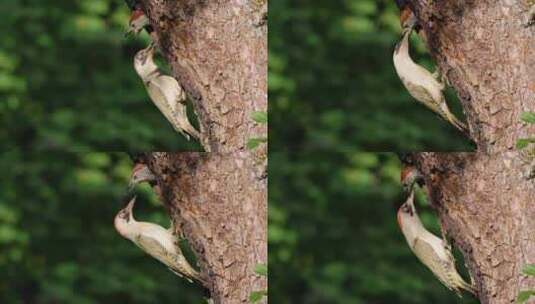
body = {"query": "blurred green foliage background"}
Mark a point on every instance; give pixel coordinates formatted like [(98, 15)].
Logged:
[(57, 239), (67, 80), (334, 93)]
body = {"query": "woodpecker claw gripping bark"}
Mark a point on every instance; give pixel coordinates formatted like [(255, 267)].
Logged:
[(165, 92), (431, 250)]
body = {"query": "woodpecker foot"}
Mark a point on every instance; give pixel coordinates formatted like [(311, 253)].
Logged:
[(441, 78), (445, 242)]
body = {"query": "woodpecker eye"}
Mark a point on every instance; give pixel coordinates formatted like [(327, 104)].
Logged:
[(407, 209), (124, 215)]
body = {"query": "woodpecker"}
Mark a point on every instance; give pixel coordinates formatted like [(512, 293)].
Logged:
[(138, 21), (432, 251), (404, 11), (420, 83), (164, 91), (141, 173), (409, 177), (158, 242)]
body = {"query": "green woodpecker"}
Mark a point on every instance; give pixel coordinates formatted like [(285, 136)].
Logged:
[(409, 177), (164, 91), (158, 242), (138, 21), (419, 82), (141, 173), (432, 251)]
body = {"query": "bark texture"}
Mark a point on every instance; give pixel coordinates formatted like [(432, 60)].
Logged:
[(486, 206), (485, 200), (218, 52), (488, 57), (218, 202)]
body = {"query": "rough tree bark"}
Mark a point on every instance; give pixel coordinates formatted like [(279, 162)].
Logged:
[(218, 202), (487, 55), (218, 52), (485, 204), (485, 200)]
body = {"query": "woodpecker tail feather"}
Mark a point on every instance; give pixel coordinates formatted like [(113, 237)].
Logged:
[(461, 126), (468, 288)]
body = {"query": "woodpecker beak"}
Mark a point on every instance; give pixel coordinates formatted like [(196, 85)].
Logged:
[(410, 23), (131, 185), (410, 202), (130, 206), (151, 48)]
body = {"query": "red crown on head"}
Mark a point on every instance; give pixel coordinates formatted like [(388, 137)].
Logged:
[(137, 13)]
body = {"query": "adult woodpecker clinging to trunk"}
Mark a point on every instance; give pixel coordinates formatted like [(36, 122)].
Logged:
[(419, 82), (432, 251), (158, 242), (164, 91)]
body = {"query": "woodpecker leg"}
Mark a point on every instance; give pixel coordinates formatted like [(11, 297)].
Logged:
[(440, 77), (445, 242)]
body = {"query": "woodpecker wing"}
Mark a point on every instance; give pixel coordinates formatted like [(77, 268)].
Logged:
[(442, 268), (176, 98), (161, 102), (171, 257), (155, 248), (172, 90)]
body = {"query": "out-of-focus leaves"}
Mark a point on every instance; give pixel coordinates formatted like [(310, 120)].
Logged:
[(524, 296), (529, 269), (528, 117)]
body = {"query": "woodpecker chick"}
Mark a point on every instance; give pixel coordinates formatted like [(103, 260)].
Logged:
[(138, 21), (141, 173), (419, 82), (164, 91), (404, 11), (432, 251), (158, 242), (409, 177)]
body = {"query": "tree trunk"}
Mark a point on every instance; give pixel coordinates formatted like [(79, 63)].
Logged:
[(488, 57), (485, 205), (219, 204), (218, 52), (485, 200)]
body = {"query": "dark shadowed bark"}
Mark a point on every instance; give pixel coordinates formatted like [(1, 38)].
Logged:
[(219, 203), (486, 200), (218, 52)]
